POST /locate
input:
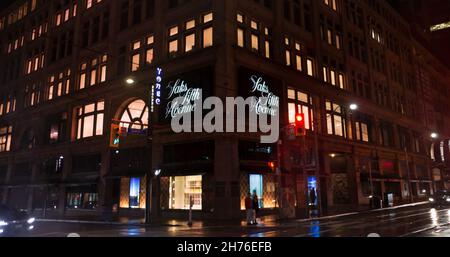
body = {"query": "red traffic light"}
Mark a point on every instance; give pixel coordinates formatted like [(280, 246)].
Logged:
[(299, 118), (300, 128), (272, 165)]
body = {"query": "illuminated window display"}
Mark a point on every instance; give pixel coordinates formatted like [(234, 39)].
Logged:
[(181, 189), (132, 193), (82, 200)]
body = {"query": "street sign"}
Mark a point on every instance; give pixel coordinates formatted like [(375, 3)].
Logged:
[(138, 132)]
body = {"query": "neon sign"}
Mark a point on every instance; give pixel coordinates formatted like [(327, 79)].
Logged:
[(158, 86)]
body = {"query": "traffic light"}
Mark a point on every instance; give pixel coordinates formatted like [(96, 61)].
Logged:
[(272, 165), (300, 129), (114, 140)]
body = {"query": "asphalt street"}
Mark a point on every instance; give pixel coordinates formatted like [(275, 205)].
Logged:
[(419, 221)]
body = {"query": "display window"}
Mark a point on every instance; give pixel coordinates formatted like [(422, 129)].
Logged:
[(183, 190), (132, 193)]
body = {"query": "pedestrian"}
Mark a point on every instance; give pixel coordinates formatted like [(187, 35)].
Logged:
[(255, 205), (313, 196), (249, 208)]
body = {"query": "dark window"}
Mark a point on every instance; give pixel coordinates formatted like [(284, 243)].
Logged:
[(86, 163)]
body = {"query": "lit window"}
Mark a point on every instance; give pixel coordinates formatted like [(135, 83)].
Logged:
[(207, 37), (240, 37), (184, 189), (173, 31), (189, 42), (255, 43), (310, 67), (190, 24), (173, 46), (207, 18), (90, 120), (5, 139), (135, 61)]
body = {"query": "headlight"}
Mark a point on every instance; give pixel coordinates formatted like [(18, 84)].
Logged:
[(3, 223), (431, 199), (31, 220), (448, 199)]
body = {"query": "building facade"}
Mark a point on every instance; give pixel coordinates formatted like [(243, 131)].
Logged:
[(72, 68)]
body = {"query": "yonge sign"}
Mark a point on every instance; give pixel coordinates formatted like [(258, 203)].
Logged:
[(190, 113)]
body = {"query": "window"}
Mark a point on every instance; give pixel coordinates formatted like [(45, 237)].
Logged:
[(207, 37), (299, 102), (90, 120), (336, 121), (32, 95), (135, 116), (332, 4), (93, 73), (58, 85), (260, 36), (57, 126), (8, 105), (310, 67), (82, 200), (182, 189), (132, 193), (293, 54), (256, 185), (189, 42), (5, 139), (362, 131)]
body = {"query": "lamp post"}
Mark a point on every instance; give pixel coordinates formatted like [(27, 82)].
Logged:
[(150, 174), (353, 107)]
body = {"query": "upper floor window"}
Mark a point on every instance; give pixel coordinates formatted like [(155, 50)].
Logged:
[(259, 36), (5, 138), (93, 73), (336, 121), (142, 53), (58, 85), (332, 4), (90, 3), (299, 102), (193, 34), (90, 120)]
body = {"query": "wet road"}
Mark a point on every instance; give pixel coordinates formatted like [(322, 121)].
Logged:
[(422, 221)]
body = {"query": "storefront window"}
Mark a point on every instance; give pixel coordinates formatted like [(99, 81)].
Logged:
[(82, 200), (256, 186), (182, 189), (132, 193)]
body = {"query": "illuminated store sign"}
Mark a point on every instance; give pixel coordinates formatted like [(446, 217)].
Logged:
[(265, 101), (184, 98), (156, 89)]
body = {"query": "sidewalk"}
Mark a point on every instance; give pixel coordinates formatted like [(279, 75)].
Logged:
[(267, 221)]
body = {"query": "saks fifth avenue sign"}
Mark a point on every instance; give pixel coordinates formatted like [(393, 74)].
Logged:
[(185, 99), (265, 102), (187, 109)]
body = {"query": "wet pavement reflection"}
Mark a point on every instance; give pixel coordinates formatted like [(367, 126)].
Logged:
[(422, 221)]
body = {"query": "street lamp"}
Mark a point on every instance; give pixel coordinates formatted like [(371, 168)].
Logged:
[(434, 135), (150, 175), (130, 81), (353, 107)]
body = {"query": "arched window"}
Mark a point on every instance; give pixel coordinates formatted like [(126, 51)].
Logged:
[(135, 115)]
